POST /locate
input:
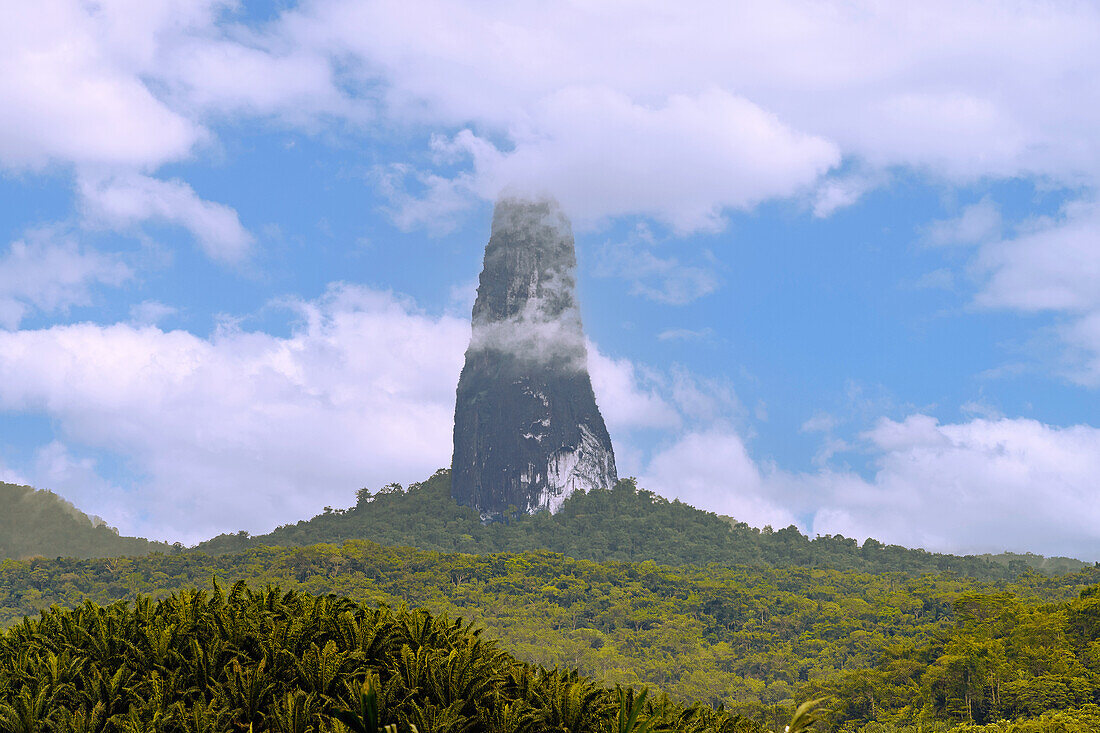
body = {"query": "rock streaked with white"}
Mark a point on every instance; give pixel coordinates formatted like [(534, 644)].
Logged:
[(528, 432)]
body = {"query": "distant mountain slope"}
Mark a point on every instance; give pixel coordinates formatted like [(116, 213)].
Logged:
[(624, 523), (35, 522)]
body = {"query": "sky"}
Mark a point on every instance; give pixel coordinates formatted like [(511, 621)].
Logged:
[(839, 262)]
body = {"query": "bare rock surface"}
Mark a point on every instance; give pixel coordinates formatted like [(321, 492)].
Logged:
[(527, 429)]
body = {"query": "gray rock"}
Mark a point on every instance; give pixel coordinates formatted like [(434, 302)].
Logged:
[(527, 430)]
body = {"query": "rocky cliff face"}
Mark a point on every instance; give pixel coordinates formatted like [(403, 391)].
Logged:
[(527, 429)]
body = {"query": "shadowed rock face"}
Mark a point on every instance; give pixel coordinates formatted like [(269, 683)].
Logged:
[(527, 429)]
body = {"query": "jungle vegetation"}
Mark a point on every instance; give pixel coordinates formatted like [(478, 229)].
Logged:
[(895, 652), (639, 591), (625, 523), (290, 663)]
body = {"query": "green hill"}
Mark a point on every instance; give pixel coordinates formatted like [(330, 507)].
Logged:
[(625, 523), (893, 652), (41, 523)]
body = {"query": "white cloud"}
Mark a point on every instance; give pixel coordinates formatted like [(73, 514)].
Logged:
[(437, 204), (121, 86), (49, 271), (124, 82), (1053, 267), (228, 77), (67, 96), (712, 470), (977, 486), (244, 429), (71, 476), (683, 162), (678, 114), (987, 485), (820, 422), (841, 191), (977, 223), (627, 397), (124, 201), (1082, 337), (674, 112)]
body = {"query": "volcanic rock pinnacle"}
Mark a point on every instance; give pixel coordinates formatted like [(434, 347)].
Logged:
[(527, 430)]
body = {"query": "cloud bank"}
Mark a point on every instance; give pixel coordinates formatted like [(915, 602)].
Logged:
[(244, 429), (675, 113)]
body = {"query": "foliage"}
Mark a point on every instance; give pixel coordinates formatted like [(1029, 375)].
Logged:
[(42, 523), (625, 523), (887, 649), (272, 661)]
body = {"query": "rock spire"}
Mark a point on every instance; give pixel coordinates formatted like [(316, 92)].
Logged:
[(527, 429)]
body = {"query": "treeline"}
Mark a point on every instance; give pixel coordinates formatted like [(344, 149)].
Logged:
[(290, 663), (896, 650), (35, 522), (625, 523)]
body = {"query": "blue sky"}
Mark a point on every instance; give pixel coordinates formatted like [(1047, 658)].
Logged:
[(839, 263)]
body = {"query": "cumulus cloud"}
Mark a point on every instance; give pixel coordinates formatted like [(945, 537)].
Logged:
[(674, 113), (67, 95), (124, 86), (1055, 266), (603, 154), (713, 470), (124, 201), (983, 485), (244, 429), (628, 397), (49, 271), (1052, 266), (678, 114), (125, 83), (670, 112), (223, 77), (986, 485)]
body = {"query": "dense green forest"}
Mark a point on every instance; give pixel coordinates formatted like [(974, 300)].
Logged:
[(625, 523), (894, 651), (632, 590), (36, 522), (290, 663)]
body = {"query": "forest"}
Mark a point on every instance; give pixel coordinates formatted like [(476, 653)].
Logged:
[(625, 523), (892, 651), (268, 660)]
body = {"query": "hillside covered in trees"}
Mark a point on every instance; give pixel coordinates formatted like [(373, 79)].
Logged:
[(269, 661), (35, 522), (895, 652), (626, 523)]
